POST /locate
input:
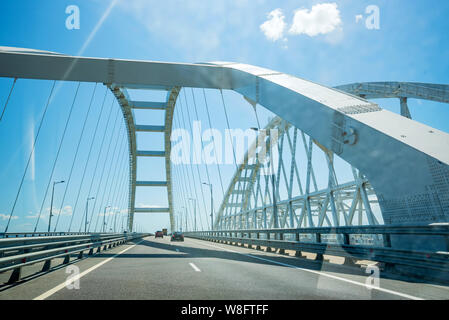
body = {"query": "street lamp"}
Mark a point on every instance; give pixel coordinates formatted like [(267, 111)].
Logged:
[(194, 212), (211, 205), (185, 217), (51, 203), (275, 209), (104, 218), (115, 220), (87, 210), (180, 224)]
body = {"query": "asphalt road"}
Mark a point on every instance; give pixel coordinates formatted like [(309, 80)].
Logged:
[(160, 269)]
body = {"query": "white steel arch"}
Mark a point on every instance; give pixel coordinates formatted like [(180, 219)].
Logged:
[(406, 162)]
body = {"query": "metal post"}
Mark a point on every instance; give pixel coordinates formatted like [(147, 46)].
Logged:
[(51, 203), (211, 205), (104, 218), (194, 212), (405, 111), (180, 213), (87, 211), (275, 207), (186, 217), (211, 208)]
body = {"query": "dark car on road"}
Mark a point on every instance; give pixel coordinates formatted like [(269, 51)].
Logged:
[(177, 236), (158, 234)]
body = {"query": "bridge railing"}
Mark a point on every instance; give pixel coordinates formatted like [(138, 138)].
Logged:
[(18, 252), (343, 242), (44, 234)]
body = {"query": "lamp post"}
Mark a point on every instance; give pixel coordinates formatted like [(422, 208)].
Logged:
[(194, 212), (186, 217), (87, 210), (273, 182), (180, 213), (104, 218), (51, 203), (115, 222), (211, 205)]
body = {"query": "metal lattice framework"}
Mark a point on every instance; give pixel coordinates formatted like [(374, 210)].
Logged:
[(406, 162), (246, 204)]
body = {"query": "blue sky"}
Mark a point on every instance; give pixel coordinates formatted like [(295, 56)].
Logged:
[(411, 45)]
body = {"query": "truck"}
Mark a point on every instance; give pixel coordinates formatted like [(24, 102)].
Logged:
[(164, 231)]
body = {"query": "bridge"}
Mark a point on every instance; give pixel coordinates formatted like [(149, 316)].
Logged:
[(333, 197)]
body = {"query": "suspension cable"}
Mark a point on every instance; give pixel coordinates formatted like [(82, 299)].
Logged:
[(121, 158), (57, 156), (181, 191), (120, 182), (185, 171), (216, 156), (88, 156), (100, 152), (197, 167), (7, 100), (113, 131), (114, 153), (229, 128), (106, 127), (191, 165), (233, 197), (114, 160), (202, 147), (118, 205), (75, 157), (31, 154), (184, 179)]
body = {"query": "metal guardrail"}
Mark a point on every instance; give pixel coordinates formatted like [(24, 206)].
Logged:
[(17, 252), (41, 234), (423, 262)]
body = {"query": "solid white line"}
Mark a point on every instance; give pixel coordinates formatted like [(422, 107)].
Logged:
[(194, 267), (82, 274), (404, 295)]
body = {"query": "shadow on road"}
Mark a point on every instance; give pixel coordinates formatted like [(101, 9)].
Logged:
[(187, 252)]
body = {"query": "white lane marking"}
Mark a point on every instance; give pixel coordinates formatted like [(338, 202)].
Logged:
[(404, 295), (194, 267), (50, 292)]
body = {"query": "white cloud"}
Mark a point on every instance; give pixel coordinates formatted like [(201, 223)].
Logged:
[(34, 216), (66, 211), (6, 217), (111, 211), (274, 27), (323, 18), (200, 30)]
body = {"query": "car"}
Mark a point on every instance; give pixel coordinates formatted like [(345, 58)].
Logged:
[(158, 234), (177, 236)]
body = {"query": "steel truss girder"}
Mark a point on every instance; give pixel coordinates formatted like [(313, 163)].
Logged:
[(413, 90), (235, 205)]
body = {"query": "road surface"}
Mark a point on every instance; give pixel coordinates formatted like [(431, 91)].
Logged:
[(159, 269)]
